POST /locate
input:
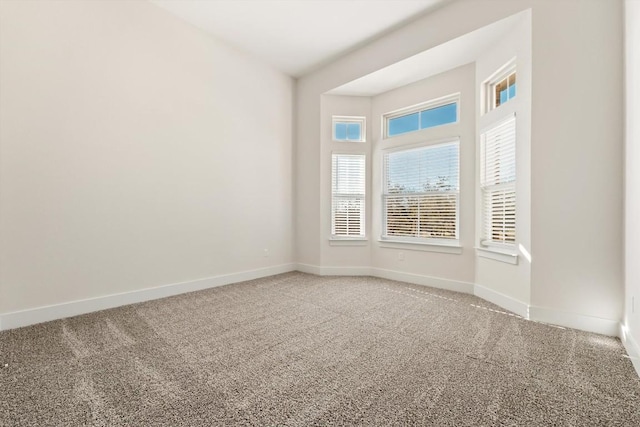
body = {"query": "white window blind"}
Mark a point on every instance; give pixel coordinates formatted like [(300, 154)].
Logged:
[(347, 195), (498, 183), (421, 193)]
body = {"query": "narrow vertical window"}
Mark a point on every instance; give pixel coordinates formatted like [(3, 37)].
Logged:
[(498, 183), (504, 90), (347, 196)]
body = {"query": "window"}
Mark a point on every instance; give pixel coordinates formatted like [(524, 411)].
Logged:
[(498, 183), (348, 129), (505, 89), (501, 87), (347, 195), (429, 114), (421, 194)]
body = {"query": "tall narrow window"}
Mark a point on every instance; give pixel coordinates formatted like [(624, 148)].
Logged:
[(498, 183), (347, 195), (421, 193)]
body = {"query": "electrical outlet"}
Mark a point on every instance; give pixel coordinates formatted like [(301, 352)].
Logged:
[(400, 256), (265, 253)]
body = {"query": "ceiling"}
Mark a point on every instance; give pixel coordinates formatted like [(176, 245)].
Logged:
[(298, 36), (449, 55)]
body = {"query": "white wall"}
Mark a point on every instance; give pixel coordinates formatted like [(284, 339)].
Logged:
[(576, 157), (344, 253), (432, 30), (136, 151), (507, 279), (632, 170), (124, 136), (307, 157), (576, 142), (451, 266), (458, 267)]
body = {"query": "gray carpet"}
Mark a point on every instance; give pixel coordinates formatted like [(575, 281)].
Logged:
[(299, 350)]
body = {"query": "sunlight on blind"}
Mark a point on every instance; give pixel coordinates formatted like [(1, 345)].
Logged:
[(498, 182), (421, 192), (347, 195)]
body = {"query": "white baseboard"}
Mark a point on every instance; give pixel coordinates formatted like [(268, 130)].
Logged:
[(32, 316), (418, 279), (334, 271), (508, 303), (632, 347), (539, 314), (310, 269), (575, 321), (47, 313), (346, 271)]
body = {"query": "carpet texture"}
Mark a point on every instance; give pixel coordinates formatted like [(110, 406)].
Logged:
[(301, 350)]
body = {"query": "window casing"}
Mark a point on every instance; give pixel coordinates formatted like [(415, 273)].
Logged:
[(498, 183), (429, 114), (501, 87), (421, 194), (504, 90), (348, 129), (348, 196)]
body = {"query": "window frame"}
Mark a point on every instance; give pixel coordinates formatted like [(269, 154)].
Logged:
[(361, 196), (431, 104), (362, 121), (503, 73), (387, 239)]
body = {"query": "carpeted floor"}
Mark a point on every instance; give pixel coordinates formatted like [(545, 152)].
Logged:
[(300, 350)]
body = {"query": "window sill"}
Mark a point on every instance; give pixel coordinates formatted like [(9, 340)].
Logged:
[(348, 242), (444, 248), (498, 255)]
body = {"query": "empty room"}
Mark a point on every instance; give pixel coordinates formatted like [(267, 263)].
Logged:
[(319, 212)]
